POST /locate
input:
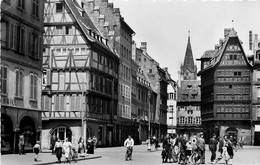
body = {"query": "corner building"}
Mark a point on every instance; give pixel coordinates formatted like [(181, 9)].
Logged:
[(226, 89), (21, 73), (80, 85)]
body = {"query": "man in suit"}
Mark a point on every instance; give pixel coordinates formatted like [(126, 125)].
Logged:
[(201, 148), (213, 147)]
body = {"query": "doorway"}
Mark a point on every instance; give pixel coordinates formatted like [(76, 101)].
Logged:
[(62, 133)]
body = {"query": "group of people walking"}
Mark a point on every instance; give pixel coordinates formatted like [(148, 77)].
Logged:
[(226, 146), (179, 148), (59, 148), (184, 149)]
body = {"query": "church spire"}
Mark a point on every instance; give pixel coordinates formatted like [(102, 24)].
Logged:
[(188, 60), (188, 69)]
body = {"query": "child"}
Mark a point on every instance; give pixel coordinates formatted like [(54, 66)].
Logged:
[(188, 150), (74, 156), (226, 155), (36, 150), (164, 156)]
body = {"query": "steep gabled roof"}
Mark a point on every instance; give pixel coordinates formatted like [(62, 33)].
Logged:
[(217, 56), (87, 26)]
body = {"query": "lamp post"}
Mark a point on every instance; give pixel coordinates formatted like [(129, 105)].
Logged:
[(149, 122), (83, 113)]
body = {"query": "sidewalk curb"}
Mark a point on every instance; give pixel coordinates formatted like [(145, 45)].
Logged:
[(80, 159)]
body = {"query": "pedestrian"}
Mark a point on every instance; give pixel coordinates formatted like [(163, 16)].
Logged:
[(213, 148), (58, 149), (225, 154), (201, 148), (230, 151), (67, 146), (94, 141), (53, 141), (81, 147), (166, 147), (36, 150), (21, 144), (90, 146), (182, 145), (188, 151), (241, 142)]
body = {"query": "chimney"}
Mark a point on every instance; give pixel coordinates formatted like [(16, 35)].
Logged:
[(256, 37), (221, 42), (216, 47), (134, 50), (250, 40), (226, 32), (144, 46)]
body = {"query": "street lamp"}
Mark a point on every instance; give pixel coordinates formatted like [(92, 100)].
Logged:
[(149, 122)]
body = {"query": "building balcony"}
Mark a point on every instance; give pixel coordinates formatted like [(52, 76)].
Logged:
[(47, 115), (188, 125)]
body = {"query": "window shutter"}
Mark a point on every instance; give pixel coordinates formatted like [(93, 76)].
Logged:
[(48, 77), (56, 103), (72, 103), (62, 103), (35, 87), (31, 86)]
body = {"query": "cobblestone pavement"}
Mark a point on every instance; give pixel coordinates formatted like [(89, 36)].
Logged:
[(250, 155)]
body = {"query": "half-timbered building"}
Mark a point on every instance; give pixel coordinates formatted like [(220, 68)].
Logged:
[(21, 72), (80, 85), (112, 25), (226, 89)]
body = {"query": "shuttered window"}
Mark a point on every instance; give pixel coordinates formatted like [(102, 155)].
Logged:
[(59, 103), (19, 83), (75, 103), (3, 78), (33, 86), (46, 103)]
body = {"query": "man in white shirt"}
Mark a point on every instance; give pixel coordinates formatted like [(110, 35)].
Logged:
[(129, 143)]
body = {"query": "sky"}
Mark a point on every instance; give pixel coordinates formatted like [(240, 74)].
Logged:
[(164, 25)]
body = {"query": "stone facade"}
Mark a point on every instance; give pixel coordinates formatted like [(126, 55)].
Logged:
[(156, 77), (21, 73)]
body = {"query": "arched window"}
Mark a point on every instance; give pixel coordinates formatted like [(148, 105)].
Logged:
[(19, 83)]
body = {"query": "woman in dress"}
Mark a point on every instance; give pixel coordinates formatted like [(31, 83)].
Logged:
[(81, 146), (58, 149), (67, 149)]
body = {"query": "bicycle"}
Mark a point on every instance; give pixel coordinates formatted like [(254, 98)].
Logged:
[(128, 155), (195, 158)]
